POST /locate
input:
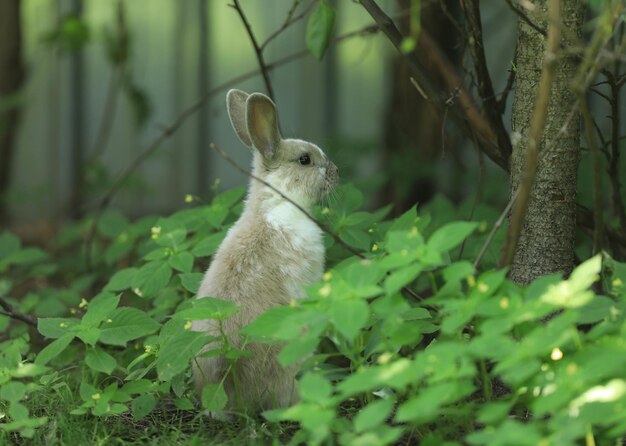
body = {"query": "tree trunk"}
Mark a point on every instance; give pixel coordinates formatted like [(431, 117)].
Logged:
[(546, 243), (11, 76)]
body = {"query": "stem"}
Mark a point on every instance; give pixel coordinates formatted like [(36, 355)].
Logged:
[(257, 50)]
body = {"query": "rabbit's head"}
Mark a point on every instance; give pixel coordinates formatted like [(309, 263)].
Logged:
[(297, 168)]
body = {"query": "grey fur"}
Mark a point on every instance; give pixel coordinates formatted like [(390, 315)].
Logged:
[(267, 258)]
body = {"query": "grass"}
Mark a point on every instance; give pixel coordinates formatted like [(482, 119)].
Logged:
[(163, 426)]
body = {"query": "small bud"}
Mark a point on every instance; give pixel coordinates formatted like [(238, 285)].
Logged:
[(187, 325), (556, 354), (83, 303), (188, 198)]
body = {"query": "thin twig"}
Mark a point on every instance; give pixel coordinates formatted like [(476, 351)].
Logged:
[(10, 311), (504, 95), (484, 84), (289, 20), (495, 228), (257, 50), (524, 17), (537, 125)]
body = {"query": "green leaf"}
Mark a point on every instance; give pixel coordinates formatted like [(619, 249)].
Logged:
[(171, 239), (13, 391), (191, 281), (425, 406), (396, 280), (89, 335), (207, 308), (9, 244), (26, 256), (214, 397), (143, 405), (450, 235), (356, 238), (87, 391), (122, 279), (208, 245), (178, 350), (152, 278), (125, 325), (182, 261), (99, 308), (315, 388), (54, 349), (100, 361), (112, 223), (319, 29), (55, 327), (298, 349), (373, 415), (349, 316), (267, 324)]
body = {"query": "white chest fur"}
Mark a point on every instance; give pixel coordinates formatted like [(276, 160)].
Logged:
[(306, 243)]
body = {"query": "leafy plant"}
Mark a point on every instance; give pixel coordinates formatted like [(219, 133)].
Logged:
[(407, 340)]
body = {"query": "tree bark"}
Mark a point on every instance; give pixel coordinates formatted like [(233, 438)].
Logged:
[(546, 243), (11, 77)]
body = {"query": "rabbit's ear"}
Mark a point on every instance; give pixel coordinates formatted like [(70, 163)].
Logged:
[(236, 106), (262, 123)]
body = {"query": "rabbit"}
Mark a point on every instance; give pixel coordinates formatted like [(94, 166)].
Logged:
[(267, 258)]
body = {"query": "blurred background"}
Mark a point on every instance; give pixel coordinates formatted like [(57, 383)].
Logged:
[(90, 86)]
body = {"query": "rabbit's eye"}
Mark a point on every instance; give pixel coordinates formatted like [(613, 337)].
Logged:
[(305, 160)]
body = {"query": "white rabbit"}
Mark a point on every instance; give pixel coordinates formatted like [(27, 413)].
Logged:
[(267, 258)]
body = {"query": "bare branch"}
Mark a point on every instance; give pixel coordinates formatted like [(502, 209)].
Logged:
[(289, 20), (484, 84), (468, 116), (10, 311), (257, 50), (495, 228)]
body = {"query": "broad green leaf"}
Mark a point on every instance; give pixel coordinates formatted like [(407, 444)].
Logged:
[(425, 406), (122, 279), (54, 349), (13, 391), (87, 391), (175, 355), (143, 405), (182, 261), (356, 238), (401, 277), (89, 335), (298, 349), (99, 308), (266, 325), (126, 324), (55, 327), (100, 361), (349, 316), (112, 223), (171, 239), (319, 29), (373, 415), (207, 308), (450, 235), (191, 281), (315, 388), (26, 256), (9, 244), (152, 278), (214, 397)]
